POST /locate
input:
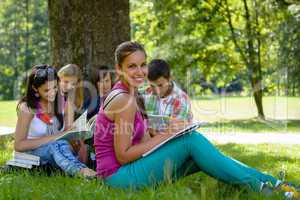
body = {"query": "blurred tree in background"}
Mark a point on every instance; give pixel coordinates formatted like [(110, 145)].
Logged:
[(235, 47), (24, 41), (224, 46)]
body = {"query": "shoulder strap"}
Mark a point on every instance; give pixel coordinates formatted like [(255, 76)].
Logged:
[(111, 96)]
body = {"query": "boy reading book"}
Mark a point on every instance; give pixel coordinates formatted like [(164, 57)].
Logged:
[(164, 100)]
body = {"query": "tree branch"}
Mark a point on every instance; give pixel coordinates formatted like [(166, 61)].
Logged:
[(233, 34)]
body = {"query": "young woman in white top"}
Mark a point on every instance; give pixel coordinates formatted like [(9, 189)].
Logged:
[(40, 123)]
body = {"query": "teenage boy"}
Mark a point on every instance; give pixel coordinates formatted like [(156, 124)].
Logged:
[(164, 98)]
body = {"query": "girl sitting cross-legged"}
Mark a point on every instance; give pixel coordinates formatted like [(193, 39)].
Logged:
[(40, 123)]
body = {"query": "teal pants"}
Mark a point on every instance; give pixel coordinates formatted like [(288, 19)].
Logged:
[(183, 156)]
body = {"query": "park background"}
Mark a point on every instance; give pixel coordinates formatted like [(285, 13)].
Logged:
[(237, 59)]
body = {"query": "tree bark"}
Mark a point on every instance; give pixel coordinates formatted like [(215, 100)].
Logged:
[(249, 55), (27, 37), (253, 64), (86, 32)]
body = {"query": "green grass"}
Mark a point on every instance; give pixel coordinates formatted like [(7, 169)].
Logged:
[(253, 126), (238, 114), (268, 158), (233, 108), (234, 113), (8, 115)]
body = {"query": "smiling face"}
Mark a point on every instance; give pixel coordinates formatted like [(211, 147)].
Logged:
[(134, 69), (67, 83), (48, 90)]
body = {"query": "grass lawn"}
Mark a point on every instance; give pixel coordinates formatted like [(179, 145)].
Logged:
[(8, 115), (268, 158), (237, 114), (232, 108)]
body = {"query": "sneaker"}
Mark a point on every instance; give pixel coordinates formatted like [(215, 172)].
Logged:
[(267, 189), (291, 191)]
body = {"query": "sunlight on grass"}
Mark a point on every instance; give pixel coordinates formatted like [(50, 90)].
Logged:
[(232, 108), (8, 115), (237, 114)]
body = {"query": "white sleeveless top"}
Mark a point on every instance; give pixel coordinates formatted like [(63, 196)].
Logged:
[(38, 128)]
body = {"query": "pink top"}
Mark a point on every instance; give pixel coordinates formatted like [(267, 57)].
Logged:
[(106, 160)]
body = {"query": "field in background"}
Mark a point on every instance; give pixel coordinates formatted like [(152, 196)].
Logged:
[(225, 114), (8, 114), (238, 114), (239, 108)]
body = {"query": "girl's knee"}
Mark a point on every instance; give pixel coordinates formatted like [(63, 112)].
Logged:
[(62, 142), (196, 137)]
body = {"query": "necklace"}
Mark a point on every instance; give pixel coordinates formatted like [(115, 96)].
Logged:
[(45, 117)]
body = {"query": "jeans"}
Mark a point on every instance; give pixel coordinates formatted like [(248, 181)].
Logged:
[(182, 156), (59, 154)]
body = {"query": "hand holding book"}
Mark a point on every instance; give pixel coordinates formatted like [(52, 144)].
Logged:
[(174, 134)]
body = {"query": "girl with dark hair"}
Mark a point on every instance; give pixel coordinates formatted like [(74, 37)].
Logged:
[(102, 80), (40, 123), (121, 138)]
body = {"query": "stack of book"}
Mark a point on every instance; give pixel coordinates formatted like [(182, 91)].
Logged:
[(24, 160)]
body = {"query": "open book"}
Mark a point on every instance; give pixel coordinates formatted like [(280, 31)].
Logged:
[(187, 129), (25, 160), (158, 122), (82, 128)]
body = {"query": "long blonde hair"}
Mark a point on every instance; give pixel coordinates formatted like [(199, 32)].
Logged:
[(73, 70)]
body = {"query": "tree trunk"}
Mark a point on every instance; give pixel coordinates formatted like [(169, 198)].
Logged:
[(249, 55), (254, 64), (27, 35), (86, 32)]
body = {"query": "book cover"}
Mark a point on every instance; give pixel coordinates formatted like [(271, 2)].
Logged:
[(26, 162), (17, 164), (25, 156), (158, 122)]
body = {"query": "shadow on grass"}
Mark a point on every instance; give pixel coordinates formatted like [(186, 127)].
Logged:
[(271, 159), (256, 125)]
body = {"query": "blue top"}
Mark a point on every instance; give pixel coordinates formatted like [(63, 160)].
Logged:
[(92, 105)]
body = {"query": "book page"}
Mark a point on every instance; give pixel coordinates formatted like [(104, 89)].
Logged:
[(81, 123), (80, 129), (187, 129)]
